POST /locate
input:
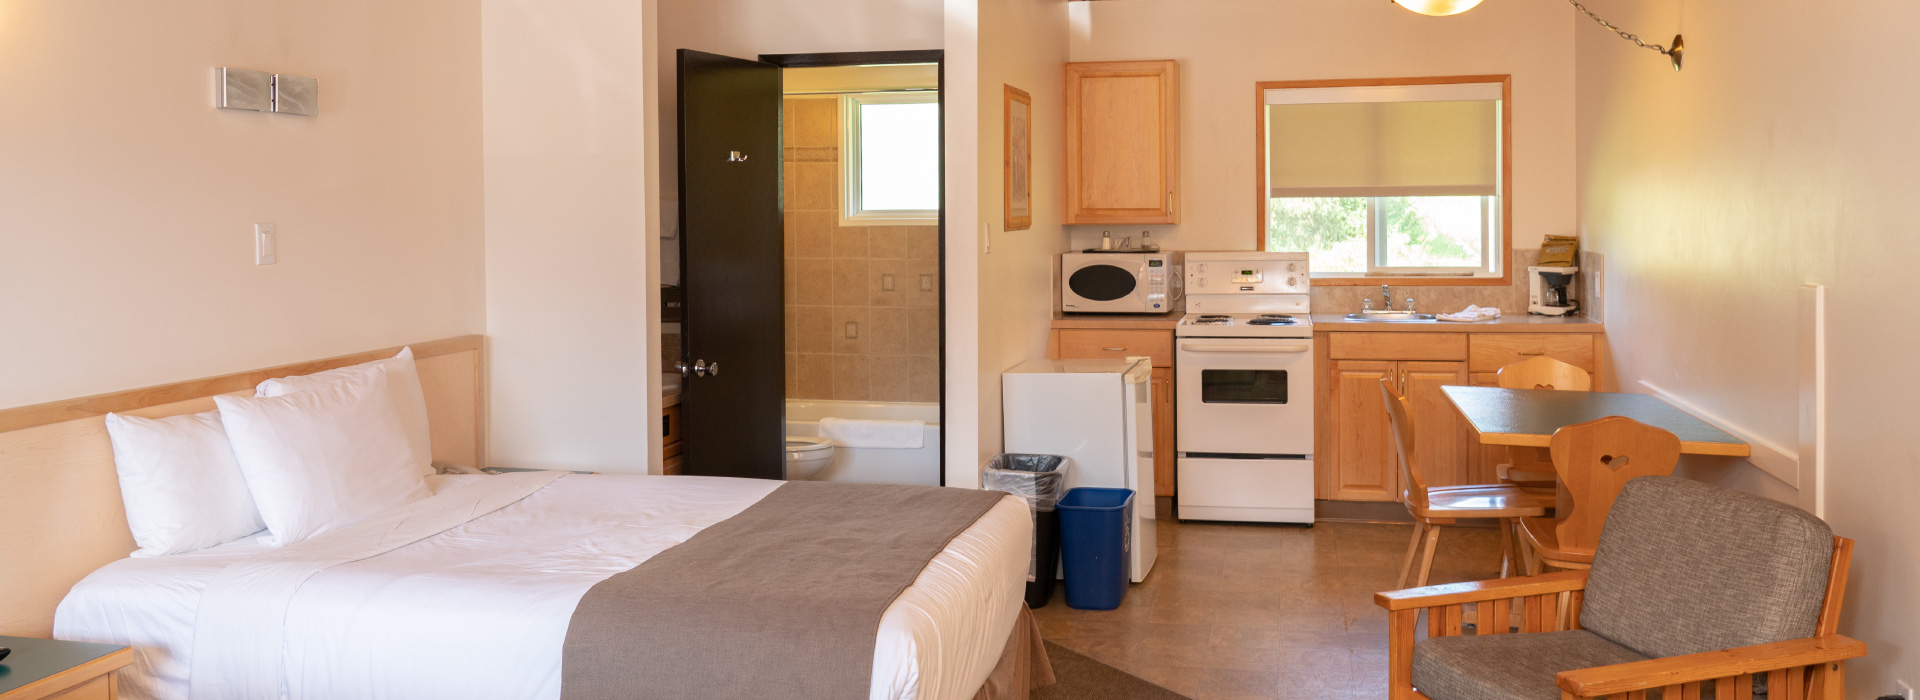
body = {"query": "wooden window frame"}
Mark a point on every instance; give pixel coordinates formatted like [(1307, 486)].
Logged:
[(1261, 190)]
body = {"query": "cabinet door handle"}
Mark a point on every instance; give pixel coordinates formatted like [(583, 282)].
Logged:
[(1533, 352), (1115, 349), (1169, 202)]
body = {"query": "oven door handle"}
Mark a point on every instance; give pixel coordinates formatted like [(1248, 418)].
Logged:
[(1248, 349)]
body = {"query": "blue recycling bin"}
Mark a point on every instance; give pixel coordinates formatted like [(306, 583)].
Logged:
[(1096, 536)]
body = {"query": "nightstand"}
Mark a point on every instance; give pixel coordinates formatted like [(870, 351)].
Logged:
[(44, 669)]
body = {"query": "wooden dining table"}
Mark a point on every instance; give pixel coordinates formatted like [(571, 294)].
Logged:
[(1528, 417)]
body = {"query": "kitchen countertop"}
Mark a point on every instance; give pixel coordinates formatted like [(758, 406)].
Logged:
[(1138, 322), (1515, 323)]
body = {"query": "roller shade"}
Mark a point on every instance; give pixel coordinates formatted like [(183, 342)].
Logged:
[(1394, 142)]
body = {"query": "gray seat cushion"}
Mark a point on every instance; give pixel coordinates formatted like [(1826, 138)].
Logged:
[(1683, 567), (1509, 666)]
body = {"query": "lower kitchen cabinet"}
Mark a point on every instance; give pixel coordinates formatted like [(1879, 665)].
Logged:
[(1357, 460), (1163, 455), (1362, 467)]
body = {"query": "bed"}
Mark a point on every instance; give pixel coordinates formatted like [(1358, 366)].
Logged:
[(479, 610)]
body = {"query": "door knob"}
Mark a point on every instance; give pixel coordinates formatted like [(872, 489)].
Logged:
[(699, 368), (713, 369), (682, 368)]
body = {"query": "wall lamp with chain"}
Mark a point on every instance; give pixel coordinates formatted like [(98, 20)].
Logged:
[(1442, 8)]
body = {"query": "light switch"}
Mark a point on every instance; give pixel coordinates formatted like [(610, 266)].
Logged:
[(263, 244)]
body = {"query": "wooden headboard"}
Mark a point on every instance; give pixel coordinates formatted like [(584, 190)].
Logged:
[(60, 510)]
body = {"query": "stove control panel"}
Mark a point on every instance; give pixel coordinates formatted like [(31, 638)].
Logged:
[(1244, 276)]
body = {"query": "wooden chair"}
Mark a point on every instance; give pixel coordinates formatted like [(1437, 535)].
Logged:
[(1538, 372), (1434, 507), (1697, 589), (1595, 460)]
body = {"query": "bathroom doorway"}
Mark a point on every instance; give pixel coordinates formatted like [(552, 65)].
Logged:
[(863, 210), (855, 210)]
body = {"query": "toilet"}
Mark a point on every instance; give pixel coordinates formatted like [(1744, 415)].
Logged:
[(806, 456)]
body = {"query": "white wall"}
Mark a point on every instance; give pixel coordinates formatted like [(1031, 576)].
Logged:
[(1782, 155), (571, 238), (1225, 46), (127, 201), (1007, 281)]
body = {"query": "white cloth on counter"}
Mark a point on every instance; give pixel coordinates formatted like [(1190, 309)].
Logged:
[(889, 434), (1472, 313)]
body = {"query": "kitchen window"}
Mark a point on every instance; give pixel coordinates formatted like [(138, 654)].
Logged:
[(1388, 179), (890, 167)]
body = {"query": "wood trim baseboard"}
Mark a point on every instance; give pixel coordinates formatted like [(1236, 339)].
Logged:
[(101, 404)]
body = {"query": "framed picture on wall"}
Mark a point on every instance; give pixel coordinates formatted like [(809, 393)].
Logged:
[(1019, 159)]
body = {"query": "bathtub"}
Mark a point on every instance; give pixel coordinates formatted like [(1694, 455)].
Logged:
[(872, 465)]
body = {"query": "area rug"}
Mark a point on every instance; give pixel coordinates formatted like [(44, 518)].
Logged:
[(1080, 678)]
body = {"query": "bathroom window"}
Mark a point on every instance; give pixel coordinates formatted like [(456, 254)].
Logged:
[(891, 166), (1387, 179)]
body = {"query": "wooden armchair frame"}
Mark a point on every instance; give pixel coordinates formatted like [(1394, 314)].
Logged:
[(1811, 668)]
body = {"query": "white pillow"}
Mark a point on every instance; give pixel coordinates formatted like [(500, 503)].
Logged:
[(323, 458), (405, 389), (182, 487)]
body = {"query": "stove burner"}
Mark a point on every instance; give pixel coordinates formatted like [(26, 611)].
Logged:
[(1213, 320), (1272, 320)]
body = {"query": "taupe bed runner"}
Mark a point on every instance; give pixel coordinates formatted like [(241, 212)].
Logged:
[(781, 601)]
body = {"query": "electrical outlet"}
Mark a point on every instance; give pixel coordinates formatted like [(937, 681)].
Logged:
[(264, 245)]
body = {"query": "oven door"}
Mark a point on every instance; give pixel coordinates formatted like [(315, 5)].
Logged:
[(1245, 396), (1109, 284)]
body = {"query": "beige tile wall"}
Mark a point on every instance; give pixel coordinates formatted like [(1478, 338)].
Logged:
[(1511, 299), (863, 302)]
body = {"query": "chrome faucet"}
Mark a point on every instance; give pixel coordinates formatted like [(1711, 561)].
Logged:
[(1386, 295)]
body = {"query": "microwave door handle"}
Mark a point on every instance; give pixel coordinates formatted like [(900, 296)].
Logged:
[(1248, 349)]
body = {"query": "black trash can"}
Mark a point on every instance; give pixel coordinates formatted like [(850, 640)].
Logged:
[(1040, 480)]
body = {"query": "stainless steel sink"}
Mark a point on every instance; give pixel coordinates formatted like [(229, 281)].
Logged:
[(1392, 318)]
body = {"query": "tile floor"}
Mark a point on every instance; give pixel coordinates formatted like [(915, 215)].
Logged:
[(1264, 611)]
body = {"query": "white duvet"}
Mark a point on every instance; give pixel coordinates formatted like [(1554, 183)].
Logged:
[(481, 610)]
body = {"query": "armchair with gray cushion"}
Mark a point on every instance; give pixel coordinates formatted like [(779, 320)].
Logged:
[(1695, 591)]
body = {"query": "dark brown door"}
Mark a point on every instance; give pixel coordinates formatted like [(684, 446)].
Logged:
[(731, 255)]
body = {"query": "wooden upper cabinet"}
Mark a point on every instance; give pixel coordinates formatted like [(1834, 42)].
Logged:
[(1123, 143)]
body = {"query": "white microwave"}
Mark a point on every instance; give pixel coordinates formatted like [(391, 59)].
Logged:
[(1119, 283)]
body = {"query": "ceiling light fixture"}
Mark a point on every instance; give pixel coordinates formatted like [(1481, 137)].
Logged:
[(1442, 8)]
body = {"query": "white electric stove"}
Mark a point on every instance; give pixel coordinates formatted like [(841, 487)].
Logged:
[(1244, 367)]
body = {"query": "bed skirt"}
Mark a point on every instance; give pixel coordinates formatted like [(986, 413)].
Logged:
[(1023, 663)]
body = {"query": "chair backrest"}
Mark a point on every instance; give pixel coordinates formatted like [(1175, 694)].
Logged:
[(1413, 489), (1544, 372), (1685, 567), (1595, 460)]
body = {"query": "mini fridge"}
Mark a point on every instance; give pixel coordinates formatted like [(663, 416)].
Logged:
[(1099, 415)]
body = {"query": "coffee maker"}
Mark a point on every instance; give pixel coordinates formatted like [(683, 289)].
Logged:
[(1550, 291)]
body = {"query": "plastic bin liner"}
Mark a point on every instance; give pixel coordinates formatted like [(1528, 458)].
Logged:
[(1040, 480)]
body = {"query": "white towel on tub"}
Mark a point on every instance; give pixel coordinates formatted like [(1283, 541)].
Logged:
[(890, 434)]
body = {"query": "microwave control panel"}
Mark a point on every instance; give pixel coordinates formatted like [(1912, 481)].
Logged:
[(1156, 275)]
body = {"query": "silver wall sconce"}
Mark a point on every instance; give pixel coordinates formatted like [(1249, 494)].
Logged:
[(250, 90), (260, 91), (1442, 8), (293, 94)]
